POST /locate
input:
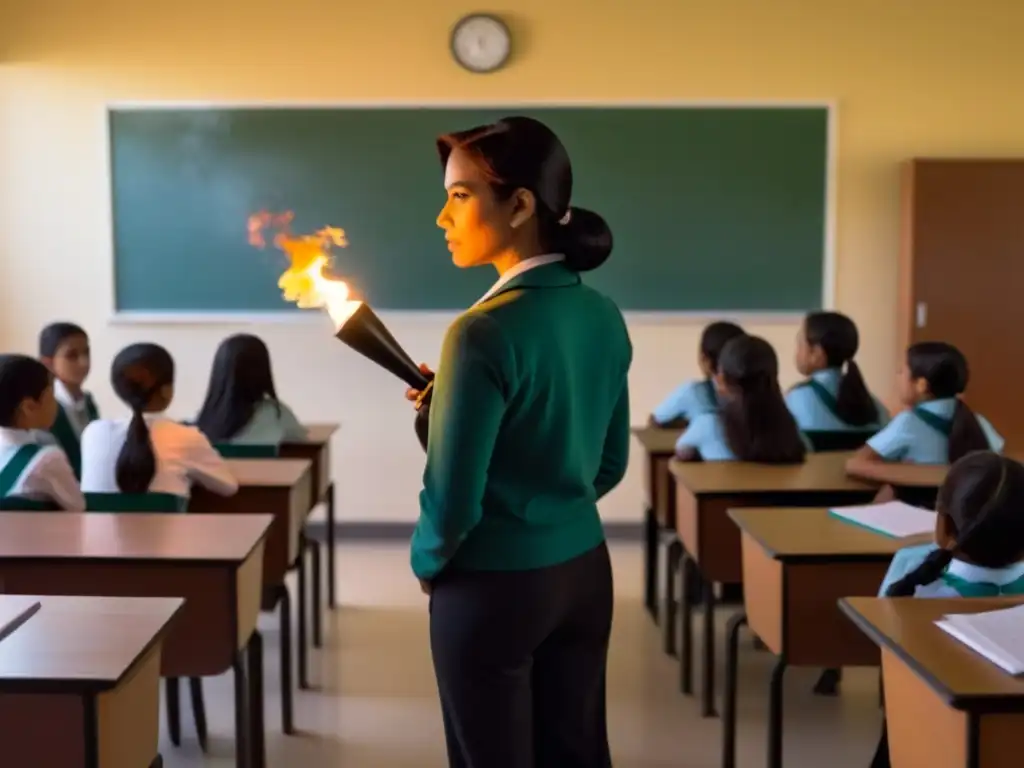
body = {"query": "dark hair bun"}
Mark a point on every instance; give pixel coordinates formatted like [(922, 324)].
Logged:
[(587, 240)]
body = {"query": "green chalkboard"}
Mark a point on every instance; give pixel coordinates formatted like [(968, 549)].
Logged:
[(711, 208)]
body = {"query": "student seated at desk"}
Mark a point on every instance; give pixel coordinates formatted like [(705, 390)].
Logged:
[(979, 549), (696, 397), (752, 422), (241, 403), (938, 427), (834, 398), (149, 453), (64, 349), (38, 474)]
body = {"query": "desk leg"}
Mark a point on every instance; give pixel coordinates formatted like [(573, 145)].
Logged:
[(674, 553), (651, 563), (732, 657), (332, 574), (255, 661), (687, 577), (287, 686), (303, 614), (243, 741), (173, 696), (708, 672), (158, 761), (316, 596), (775, 714)]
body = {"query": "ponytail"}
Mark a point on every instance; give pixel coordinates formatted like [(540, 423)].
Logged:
[(136, 463), (965, 435), (585, 239), (854, 404), (138, 374), (930, 570)]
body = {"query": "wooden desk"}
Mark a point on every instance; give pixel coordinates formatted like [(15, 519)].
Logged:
[(659, 510), (80, 681), (705, 491), (317, 448), (797, 564), (946, 706), (281, 488), (214, 562)]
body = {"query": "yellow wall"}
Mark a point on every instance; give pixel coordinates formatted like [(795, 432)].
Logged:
[(909, 77)]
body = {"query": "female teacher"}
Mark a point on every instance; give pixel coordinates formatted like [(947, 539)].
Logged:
[(529, 427)]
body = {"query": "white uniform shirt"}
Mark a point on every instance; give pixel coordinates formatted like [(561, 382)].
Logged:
[(48, 476), (183, 456), (77, 411)]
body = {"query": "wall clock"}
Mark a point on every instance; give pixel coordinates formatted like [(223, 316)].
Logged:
[(481, 42)]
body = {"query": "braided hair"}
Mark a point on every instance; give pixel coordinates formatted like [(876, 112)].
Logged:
[(982, 504)]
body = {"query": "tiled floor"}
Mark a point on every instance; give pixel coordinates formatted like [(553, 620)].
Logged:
[(375, 707)]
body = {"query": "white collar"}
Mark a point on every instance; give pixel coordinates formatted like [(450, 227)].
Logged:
[(979, 574), (523, 266), (10, 437), (65, 398)]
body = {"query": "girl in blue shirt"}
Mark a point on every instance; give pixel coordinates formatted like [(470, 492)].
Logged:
[(241, 403), (938, 427), (834, 398), (979, 535), (696, 397), (752, 422)]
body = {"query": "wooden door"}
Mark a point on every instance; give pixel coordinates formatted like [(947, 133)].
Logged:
[(962, 276)]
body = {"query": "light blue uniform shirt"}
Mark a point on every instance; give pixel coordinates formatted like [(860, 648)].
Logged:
[(960, 579), (812, 414), (271, 424), (687, 402), (707, 436), (909, 438)]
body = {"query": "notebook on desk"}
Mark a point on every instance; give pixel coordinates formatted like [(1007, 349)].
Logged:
[(893, 518), (996, 635)]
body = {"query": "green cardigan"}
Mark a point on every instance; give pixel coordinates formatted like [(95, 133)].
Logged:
[(66, 436), (529, 427)]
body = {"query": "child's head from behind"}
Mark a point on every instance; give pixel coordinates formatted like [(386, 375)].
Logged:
[(241, 368), (142, 375), (980, 509), (64, 348), (934, 370), (240, 379), (26, 394), (825, 340), (979, 519), (758, 425), (712, 341)]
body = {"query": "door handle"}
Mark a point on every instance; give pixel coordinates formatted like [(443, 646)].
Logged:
[(921, 315)]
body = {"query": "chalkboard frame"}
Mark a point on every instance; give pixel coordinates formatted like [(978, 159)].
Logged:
[(290, 316)]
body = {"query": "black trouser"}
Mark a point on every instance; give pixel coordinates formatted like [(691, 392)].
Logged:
[(520, 661)]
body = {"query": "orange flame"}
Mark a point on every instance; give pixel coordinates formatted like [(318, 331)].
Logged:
[(304, 282)]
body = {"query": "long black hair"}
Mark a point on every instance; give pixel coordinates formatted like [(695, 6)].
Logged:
[(713, 341), (21, 378), (945, 369), (837, 336), (523, 153), (758, 425), (981, 499), (241, 379), (137, 374)]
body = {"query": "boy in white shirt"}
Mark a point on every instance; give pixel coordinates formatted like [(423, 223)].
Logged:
[(64, 349)]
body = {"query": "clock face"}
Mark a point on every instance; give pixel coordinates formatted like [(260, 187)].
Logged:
[(481, 43)]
